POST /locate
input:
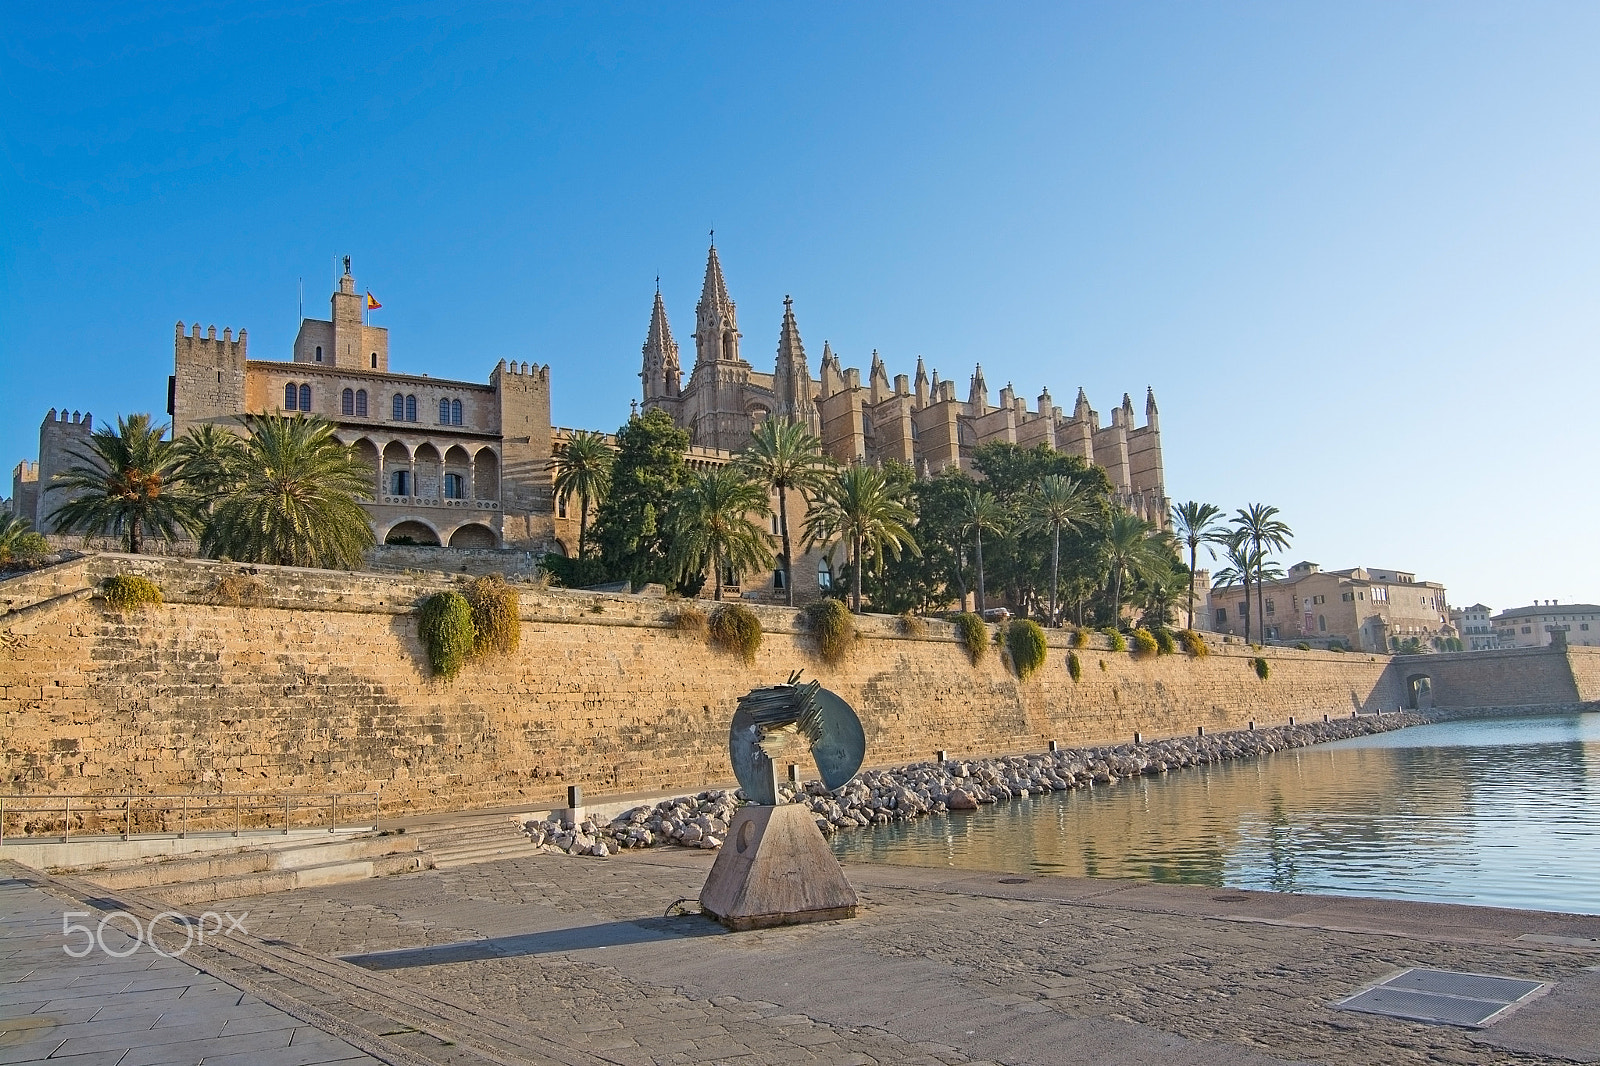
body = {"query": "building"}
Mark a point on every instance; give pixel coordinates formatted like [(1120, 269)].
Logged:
[(1361, 609), (916, 420), (1475, 627), (1535, 626)]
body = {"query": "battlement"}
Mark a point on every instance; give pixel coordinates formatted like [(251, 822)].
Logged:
[(25, 471), (85, 422), (233, 347), (535, 372)]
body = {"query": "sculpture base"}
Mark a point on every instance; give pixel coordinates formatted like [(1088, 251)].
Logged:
[(775, 868)]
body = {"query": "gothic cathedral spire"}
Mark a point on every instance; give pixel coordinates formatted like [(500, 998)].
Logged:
[(716, 326), (662, 374), (791, 377)]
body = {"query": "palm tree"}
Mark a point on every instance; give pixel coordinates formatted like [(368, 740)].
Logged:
[(295, 501), (712, 526), (860, 507), (1259, 523), (1241, 559), (126, 482), (1196, 524), (211, 458), (1060, 503), (582, 468), (1133, 549), (980, 513), (784, 455)]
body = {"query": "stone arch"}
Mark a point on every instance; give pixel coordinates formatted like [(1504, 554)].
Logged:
[(1419, 692), (457, 474), (366, 451), (429, 465), (474, 535), (398, 477), (412, 531), (486, 474)]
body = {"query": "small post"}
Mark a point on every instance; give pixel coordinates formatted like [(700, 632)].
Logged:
[(1200, 731), (1054, 746), (1324, 719), (1291, 719), (2, 819), (286, 814), (377, 807), (66, 820), (127, 825), (575, 803), (1252, 725), (794, 775), (183, 819), (236, 814), (1138, 738), (941, 755), (333, 812)]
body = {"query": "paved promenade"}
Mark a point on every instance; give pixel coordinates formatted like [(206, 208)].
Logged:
[(553, 959)]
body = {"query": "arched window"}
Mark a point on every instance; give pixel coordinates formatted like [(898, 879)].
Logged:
[(455, 412), (399, 407), (347, 402), (305, 397), (411, 408), (561, 507), (824, 575), (319, 353), (780, 580), (455, 487), (400, 483), (361, 403), (291, 397), (444, 412), (374, 360)]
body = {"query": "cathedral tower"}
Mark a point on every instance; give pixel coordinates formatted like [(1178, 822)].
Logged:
[(791, 377), (662, 375)]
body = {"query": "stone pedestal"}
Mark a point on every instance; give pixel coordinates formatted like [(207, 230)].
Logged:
[(775, 868)]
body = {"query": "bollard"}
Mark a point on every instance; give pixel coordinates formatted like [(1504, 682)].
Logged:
[(1291, 719), (1200, 731), (1054, 746), (575, 800), (1252, 725), (794, 775), (941, 755), (1138, 738), (1324, 719)]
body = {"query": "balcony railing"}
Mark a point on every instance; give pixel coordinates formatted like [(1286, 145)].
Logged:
[(125, 814)]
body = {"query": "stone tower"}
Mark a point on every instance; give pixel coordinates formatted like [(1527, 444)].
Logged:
[(343, 340), (718, 417), (59, 439), (526, 497), (208, 378), (662, 374), (791, 377)]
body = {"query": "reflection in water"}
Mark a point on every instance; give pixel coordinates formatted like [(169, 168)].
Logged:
[(1502, 812)]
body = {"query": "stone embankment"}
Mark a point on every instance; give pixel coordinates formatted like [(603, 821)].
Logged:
[(879, 797)]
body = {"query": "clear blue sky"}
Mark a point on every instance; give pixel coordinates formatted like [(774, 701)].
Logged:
[(1352, 246)]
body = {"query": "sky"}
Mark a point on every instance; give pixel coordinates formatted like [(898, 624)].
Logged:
[(1352, 247)]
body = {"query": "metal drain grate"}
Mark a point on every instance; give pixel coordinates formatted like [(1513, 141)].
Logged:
[(1443, 997)]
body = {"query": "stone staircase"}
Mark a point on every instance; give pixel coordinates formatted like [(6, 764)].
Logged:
[(472, 840), (254, 871)]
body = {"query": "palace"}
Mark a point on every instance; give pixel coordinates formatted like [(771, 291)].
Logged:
[(466, 465)]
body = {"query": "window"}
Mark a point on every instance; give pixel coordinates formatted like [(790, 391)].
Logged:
[(561, 507), (399, 408), (455, 487), (1322, 623), (824, 575), (1222, 616), (291, 398), (1527, 629), (361, 403), (305, 397), (400, 483), (455, 412), (444, 412), (319, 353), (411, 408), (347, 402), (1272, 608), (1348, 596), (374, 360), (779, 581), (775, 533), (1244, 609), (1584, 626)]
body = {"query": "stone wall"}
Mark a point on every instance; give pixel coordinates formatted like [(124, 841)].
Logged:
[(323, 685), (1514, 677)]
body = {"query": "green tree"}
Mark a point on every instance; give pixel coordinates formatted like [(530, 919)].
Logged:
[(296, 501), (632, 526), (982, 514), (1060, 503), (912, 582), (211, 460), (1260, 524), (1196, 524), (782, 456), (18, 541), (1134, 550), (582, 468), (712, 528), (861, 508), (126, 482)]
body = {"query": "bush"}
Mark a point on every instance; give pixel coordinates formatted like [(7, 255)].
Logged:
[(1301, 645), (1144, 644), (912, 626), (830, 624), (689, 621), (496, 617), (235, 590), (1193, 643), (445, 626), (1263, 668), (736, 628), (974, 634), (1118, 643), (1025, 642), (127, 592), (1165, 645), (26, 552), (1079, 639), (1074, 665)]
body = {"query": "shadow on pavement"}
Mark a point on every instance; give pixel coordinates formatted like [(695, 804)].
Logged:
[(580, 938)]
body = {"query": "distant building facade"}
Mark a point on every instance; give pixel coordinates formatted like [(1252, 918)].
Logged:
[(1536, 626), (1475, 627), (1362, 609)]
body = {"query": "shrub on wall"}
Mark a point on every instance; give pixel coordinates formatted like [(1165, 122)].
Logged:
[(1165, 645), (1263, 668), (736, 628), (830, 625), (235, 590), (1144, 643), (1301, 645), (1079, 639), (912, 626), (1193, 643), (1025, 642), (445, 626), (126, 592), (974, 635), (496, 617), (688, 621), (1113, 634), (1074, 665)]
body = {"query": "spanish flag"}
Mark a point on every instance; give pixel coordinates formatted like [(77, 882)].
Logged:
[(372, 303)]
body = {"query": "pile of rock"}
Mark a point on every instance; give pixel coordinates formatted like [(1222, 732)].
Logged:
[(878, 797)]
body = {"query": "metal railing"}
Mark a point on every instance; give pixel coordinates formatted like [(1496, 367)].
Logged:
[(129, 813)]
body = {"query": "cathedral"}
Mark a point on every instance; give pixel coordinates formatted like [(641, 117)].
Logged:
[(916, 420)]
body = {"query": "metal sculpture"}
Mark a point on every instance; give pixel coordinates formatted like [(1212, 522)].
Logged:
[(778, 723)]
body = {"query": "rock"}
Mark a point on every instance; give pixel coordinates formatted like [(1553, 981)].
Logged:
[(960, 800)]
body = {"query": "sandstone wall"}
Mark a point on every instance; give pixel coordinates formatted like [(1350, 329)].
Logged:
[(324, 686), (1514, 677)]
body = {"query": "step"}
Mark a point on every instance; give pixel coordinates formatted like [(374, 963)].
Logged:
[(454, 857), (332, 873), (333, 850), (252, 860)]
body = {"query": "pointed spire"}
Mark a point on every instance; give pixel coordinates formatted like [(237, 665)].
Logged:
[(662, 374), (1152, 417), (1081, 411), (1046, 404), (878, 379), (978, 396), (832, 377), (920, 384), (791, 376), (716, 332)]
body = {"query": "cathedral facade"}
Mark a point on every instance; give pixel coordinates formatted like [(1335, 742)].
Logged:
[(918, 420)]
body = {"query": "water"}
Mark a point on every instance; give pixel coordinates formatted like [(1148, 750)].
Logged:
[(1497, 812)]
